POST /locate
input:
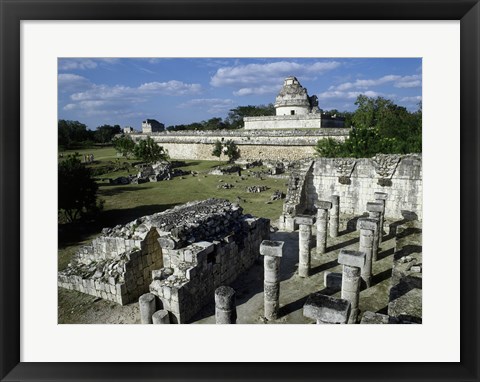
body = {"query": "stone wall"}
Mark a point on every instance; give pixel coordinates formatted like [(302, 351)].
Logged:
[(186, 251), (356, 181), (114, 268), (252, 144), (192, 273), (297, 121)]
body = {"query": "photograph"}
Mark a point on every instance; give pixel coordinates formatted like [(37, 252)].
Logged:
[(223, 190)]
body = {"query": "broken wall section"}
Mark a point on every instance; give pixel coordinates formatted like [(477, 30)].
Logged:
[(114, 270), (192, 273)]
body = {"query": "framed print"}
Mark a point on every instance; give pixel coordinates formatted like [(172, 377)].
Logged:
[(167, 87)]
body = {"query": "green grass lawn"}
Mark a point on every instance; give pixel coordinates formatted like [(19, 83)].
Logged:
[(124, 203)]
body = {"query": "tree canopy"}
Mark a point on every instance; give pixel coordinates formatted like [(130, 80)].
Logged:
[(379, 126), (147, 150), (77, 190), (105, 133), (124, 145)]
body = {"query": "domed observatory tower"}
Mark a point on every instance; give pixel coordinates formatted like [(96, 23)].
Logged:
[(294, 109), (294, 100)]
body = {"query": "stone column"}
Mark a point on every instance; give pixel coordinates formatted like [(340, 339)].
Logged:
[(147, 306), (322, 222), (326, 309), (225, 308), (375, 210), (305, 223), (382, 198), (272, 252), (367, 229), (161, 317), (353, 262), (334, 216)]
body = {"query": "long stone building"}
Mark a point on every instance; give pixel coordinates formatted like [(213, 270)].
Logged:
[(291, 134)]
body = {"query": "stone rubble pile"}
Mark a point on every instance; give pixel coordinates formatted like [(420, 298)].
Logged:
[(225, 186), (226, 170), (150, 173), (256, 189), (277, 195)]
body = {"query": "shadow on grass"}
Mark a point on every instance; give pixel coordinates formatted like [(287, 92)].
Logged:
[(72, 233), (111, 189)]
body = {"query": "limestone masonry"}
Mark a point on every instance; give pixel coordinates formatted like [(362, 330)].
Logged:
[(294, 109), (355, 181), (180, 255), (252, 144)]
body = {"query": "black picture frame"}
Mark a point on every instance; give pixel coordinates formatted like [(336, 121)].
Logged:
[(12, 12)]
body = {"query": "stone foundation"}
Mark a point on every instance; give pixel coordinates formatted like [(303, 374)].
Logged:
[(187, 252)]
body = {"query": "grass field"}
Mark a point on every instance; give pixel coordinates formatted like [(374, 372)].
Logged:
[(124, 203)]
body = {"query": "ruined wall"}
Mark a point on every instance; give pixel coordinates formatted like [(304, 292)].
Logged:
[(114, 268), (356, 181), (187, 251), (252, 144), (192, 273)]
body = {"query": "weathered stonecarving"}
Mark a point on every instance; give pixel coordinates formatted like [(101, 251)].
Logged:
[(355, 181), (274, 145), (181, 255), (296, 199)]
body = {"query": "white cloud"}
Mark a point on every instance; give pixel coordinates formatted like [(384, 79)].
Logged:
[(73, 64), (120, 92), (336, 94), (397, 81), (264, 89), (266, 78), (121, 100), (68, 82), (170, 88), (414, 99), (83, 63), (409, 82), (212, 105)]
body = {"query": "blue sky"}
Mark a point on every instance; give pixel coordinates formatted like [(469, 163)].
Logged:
[(125, 91)]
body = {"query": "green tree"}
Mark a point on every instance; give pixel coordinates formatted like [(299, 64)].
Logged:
[(77, 190), (124, 145), (147, 150), (72, 133), (235, 116), (105, 133), (228, 148), (217, 149), (379, 126)]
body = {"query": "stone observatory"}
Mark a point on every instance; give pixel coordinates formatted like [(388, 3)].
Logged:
[(293, 99)]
